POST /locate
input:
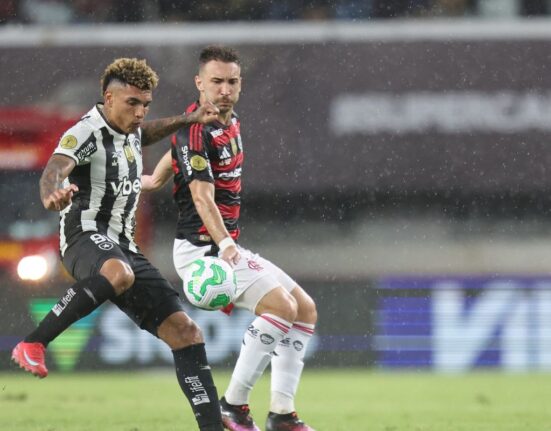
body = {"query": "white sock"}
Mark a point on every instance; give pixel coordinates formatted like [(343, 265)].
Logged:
[(260, 340), (287, 365)]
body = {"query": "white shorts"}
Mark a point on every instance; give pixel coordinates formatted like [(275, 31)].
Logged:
[(255, 275)]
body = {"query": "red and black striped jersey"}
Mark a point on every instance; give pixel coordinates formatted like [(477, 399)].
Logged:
[(207, 152)]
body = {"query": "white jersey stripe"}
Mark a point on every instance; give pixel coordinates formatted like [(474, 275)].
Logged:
[(108, 174)]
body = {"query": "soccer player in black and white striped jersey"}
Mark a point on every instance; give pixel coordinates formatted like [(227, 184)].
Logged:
[(94, 180)]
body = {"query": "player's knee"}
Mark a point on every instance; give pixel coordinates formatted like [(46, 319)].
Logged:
[(307, 311), (179, 331), (119, 274), (286, 308), (123, 281)]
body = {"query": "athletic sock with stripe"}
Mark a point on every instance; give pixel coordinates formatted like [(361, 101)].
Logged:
[(260, 340)]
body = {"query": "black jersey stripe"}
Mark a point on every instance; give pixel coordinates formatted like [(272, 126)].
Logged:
[(123, 236), (80, 176), (111, 172)]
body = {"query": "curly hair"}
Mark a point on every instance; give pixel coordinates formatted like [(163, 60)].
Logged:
[(130, 71), (219, 53)]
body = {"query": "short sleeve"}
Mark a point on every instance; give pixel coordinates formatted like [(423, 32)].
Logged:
[(190, 155), (77, 143)]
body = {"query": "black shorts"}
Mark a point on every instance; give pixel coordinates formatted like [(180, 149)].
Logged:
[(149, 301)]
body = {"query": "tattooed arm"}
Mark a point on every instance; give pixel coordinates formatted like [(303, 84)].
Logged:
[(54, 197), (155, 130)]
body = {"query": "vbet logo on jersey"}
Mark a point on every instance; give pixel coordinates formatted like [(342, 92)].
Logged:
[(126, 186)]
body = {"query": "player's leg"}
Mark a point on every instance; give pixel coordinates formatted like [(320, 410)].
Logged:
[(260, 292), (287, 365), (154, 305), (102, 274), (275, 310)]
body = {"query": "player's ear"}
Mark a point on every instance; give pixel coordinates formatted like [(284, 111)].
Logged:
[(108, 98), (198, 83)]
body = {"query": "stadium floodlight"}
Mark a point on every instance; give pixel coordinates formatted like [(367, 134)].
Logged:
[(33, 268)]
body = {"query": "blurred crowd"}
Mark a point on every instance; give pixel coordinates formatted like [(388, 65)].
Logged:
[(95, 11)]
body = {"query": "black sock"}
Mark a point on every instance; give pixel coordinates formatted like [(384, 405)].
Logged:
[(195, 378), (79, 301)]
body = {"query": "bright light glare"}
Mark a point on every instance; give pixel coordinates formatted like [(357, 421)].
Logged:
[(32, 268)]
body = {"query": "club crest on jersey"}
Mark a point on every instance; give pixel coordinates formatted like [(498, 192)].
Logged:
[(129, 153), (68, 142), (198, 163), (137, 143), (233, 146)]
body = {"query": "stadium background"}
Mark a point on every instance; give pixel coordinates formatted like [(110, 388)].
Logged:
[(396, 167)]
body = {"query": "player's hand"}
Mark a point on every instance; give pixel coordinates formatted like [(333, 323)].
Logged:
[(206, 113), (61, 198), (231, 255)]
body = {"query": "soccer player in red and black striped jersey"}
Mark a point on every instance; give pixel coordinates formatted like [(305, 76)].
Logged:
[(206, 162)]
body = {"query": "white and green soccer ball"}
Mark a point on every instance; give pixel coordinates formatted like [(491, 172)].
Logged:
[(209, 283)]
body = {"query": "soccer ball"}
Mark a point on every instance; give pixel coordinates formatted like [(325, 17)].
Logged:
[(209, 283)]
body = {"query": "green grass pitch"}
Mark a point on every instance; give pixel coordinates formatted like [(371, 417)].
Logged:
[(329, 400)]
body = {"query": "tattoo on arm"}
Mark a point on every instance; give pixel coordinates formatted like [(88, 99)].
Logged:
[(57, 169), (155, 130)]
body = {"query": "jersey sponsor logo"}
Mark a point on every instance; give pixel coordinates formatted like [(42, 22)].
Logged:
[(86, 151), (63, 302), (198, 163), (68, 142), (236, 173), (217, 132), (126, 187), (185, 159)]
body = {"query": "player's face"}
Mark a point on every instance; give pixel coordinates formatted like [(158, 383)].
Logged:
[(126, 106), (219, 83)]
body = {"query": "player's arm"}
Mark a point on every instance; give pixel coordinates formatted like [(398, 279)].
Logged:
[(155, 130), (54, 197), (160, 176), (202, 193)]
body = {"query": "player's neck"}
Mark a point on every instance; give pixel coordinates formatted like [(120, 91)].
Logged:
[(225, 118), (106, 114)]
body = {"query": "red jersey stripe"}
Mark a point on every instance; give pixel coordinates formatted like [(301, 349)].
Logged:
[(229, 211)]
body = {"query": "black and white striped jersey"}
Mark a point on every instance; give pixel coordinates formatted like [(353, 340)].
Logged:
[(108, 175)]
